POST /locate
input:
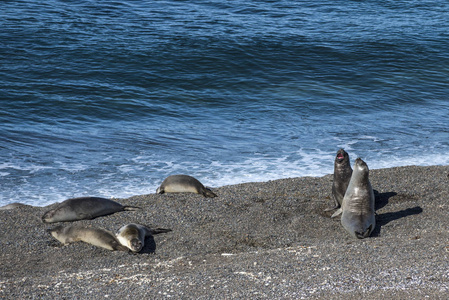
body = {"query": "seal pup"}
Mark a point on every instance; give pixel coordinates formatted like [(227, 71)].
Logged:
[(94, 236), (342, 176), (358, 203), (133, 235), (13, 205), (184, 184), (83, 208)]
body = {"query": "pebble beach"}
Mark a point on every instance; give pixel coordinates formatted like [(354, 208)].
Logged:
[(263, 240)]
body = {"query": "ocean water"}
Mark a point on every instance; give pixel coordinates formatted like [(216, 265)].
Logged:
[(107, 98)]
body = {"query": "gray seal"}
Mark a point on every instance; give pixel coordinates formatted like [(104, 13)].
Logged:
[(184, 184), (84, 208), (358, 204), (133, 235), (94, 236), (342, 176)]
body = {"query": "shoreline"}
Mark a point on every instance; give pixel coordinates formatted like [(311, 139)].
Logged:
[(205, 181), (261, 239)]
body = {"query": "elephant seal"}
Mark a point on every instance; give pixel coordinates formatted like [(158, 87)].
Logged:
[(84, 208), (184, 184), (342, 176), (95, 236), (13, 205), (133, 235), (358, 204)]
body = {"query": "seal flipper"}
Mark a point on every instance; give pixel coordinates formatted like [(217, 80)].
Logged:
[(208, 193), (132, 208), (332, 208), (83, 216), (337, 213), (158, 230)]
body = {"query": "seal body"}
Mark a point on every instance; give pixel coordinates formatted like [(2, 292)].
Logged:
[(133, 235), (184, 184), (358, 203), (13, 205), (342, 176), (84, 208), (94, 236)]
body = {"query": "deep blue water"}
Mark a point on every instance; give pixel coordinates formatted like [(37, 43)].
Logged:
[(107, 98)]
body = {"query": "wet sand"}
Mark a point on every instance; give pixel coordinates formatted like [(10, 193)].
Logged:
[(255, 240)]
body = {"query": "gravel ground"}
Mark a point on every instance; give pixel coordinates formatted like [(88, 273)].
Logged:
[(259, 240)]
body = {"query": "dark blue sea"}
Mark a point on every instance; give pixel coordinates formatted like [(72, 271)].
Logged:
[(107, 98)]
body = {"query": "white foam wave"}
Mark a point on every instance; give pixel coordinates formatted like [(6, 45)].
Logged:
[(146, 174)]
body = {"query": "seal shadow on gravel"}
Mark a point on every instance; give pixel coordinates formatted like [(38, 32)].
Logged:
[(381, 199), (149, 245), (386, 218)]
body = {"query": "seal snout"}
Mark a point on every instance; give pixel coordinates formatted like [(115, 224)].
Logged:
[(364, 234), (136, 245), (46, 217)]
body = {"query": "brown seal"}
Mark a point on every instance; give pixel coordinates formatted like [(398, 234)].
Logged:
[(184, 184), (94, 236)]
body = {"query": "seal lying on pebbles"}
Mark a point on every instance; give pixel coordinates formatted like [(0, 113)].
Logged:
[(358, 204), (133, 235), (84, 208), (342, 176), (95, 236), (13, 205), (184, 184)]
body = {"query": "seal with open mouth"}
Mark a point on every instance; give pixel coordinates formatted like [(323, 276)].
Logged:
[(342, 176)]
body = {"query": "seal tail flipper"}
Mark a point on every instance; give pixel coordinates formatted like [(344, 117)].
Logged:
[(159, 230), (337, 213), (208, 193), (129, 207)]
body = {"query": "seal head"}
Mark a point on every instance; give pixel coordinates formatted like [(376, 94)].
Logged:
[(133, 235)]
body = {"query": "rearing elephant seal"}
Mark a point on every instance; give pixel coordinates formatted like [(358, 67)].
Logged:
[(133, 235), (95, 236), (342, 176), (358, 204), (84, 208), (184, 184)]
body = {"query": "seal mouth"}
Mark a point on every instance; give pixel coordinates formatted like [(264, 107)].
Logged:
[(340, 156)]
